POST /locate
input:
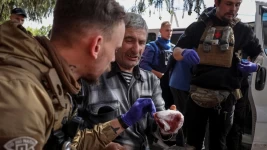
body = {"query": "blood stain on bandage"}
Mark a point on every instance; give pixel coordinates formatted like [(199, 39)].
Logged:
[(169, 120)]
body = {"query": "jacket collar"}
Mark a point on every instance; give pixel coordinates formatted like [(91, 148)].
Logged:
[(115, 69), (218, 22)]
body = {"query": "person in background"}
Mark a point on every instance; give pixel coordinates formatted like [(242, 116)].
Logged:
[(214, 46), (157, 53), (180, 77), (18, 15)]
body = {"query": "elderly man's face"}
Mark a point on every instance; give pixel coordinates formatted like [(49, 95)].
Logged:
[(17, 18), (129, 55)]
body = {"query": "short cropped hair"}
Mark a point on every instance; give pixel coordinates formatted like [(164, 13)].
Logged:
[(133, 20), (165, 23), (77, 16)]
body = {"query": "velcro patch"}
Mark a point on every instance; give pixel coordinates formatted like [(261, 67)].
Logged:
[(21, 143)]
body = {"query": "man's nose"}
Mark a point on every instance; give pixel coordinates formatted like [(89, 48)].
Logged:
[(136, 46), (233, 8)]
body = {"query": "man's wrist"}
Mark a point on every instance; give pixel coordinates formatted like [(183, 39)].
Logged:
[(165, 137), (177, 53), (123, 124)]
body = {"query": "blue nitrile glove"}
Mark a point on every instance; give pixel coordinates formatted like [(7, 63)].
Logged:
[(246, 66), (138, 110), (190, 56)]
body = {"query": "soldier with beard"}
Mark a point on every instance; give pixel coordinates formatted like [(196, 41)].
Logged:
[(214, 46)]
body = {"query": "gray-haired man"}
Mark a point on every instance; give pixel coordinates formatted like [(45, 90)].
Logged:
[(125, 84)]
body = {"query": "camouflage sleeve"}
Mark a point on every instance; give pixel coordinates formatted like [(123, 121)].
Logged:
[(26, 113), (96, 138)]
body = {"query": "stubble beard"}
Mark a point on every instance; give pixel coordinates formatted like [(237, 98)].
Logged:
[(228, 19), (91, 80), (95, 80)]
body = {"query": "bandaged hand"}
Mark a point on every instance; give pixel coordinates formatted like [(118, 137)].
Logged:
[(169, 121)]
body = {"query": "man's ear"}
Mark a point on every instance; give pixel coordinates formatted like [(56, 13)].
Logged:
[(160, 30), (96, 44)]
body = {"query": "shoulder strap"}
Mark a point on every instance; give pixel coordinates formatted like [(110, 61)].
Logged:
[(171, 63), (205, 16), (234, 22), (160, 47), (154, 45)]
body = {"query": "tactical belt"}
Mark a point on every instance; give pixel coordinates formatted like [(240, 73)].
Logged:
[(208, 98)]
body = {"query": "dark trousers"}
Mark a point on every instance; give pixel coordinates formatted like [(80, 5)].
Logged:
[(234, 138), (180, 97), (220, 123)]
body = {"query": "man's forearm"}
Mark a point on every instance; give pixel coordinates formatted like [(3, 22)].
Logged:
[(98, 137), (116, 126), (158, 74), (177, 53)]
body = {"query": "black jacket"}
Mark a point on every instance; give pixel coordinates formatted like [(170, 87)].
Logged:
[(219, 77)]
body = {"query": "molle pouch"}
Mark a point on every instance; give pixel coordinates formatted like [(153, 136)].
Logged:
[(208, 39), (225, 39), (210, 34), (206, 47), (207, 98), (216, 50), (224, 47)]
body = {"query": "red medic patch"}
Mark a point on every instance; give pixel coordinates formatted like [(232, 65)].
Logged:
[(217, 34)]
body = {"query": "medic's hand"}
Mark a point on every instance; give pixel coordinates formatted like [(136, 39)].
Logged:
[(190, 56), (141, 107), (246, 66)]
